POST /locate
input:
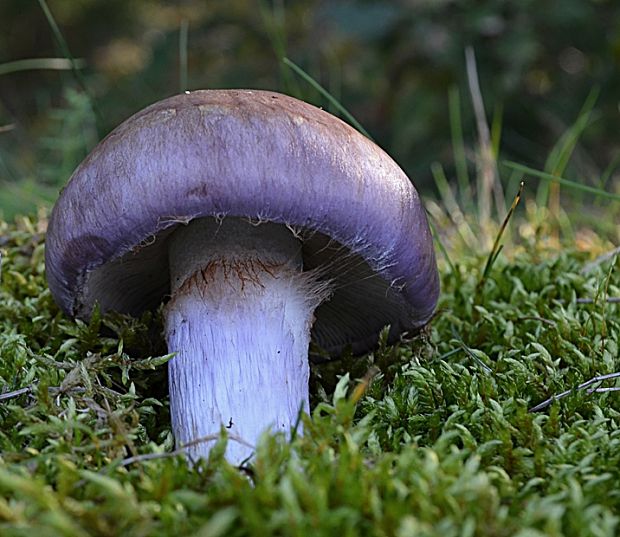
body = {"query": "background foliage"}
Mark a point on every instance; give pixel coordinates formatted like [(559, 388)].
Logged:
[(438, 435), (392, 63), (442, 442)]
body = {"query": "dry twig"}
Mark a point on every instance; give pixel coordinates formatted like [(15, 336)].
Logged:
[(588, 267), (595, 380)]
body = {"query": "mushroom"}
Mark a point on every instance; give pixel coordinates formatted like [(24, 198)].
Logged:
[(263, 222)]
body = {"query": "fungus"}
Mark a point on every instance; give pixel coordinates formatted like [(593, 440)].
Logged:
[(263, 222)]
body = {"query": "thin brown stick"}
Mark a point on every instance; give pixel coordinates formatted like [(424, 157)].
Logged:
[(609, 300), (54, 391), (214, 437), (594, 380), (536, 318), (181, 450), (15, 393), (496, 245), (588, 267)]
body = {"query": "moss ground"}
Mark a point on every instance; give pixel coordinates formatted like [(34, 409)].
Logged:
[(433, 436)]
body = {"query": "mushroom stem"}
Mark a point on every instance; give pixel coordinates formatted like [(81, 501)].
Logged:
[(239, 320)]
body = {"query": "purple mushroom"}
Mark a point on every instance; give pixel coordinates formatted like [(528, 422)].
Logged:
[(263, 222)]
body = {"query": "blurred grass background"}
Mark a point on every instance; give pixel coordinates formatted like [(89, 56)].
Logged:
[(442, 443), (398, 66)]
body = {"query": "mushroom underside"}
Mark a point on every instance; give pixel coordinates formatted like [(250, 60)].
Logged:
[(362, 302)]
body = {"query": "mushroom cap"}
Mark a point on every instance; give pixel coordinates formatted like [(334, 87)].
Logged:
[(254, 154)]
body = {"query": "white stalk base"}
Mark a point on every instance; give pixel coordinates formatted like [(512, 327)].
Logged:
[(239, 320)]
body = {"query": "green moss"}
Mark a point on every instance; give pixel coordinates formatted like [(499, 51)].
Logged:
[(442, 442)]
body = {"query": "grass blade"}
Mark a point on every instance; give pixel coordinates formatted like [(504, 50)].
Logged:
[(489, 187), (440, 244), (332, 100), (566, 182), (64, 48), (496, 129), (611, 168), (452, 207), (458, 147), (35, 64), (497, 247), (274, 20), (62, 43), (562, 152)]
